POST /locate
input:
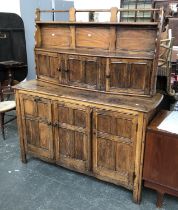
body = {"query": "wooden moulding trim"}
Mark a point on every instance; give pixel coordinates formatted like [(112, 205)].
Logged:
[(101, 10), (20, 130), (98, 23), (157, 49), (114, 11), (30, 88), (138, 158), (91, 52), (155, 184)]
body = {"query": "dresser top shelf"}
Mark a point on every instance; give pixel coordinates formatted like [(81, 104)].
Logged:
[(141, 104)]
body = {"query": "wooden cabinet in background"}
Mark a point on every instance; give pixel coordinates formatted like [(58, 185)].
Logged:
[(161, 159)]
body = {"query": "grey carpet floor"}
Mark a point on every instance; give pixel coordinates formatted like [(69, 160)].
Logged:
[(41, 186)]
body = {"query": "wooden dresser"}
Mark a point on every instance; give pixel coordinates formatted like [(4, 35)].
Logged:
[(93, 97)]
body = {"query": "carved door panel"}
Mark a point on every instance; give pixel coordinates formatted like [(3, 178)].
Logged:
[(129, 76), (140, 76), (48, 65), (72, 135), (37, 125), (75, 70), (114, 139), (84, 71)]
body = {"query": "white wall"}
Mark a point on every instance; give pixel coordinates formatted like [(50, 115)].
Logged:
[(12, 6), (28, 8), (94, 4)]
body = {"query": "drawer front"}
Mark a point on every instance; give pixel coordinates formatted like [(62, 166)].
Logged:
[(92, 37), (114, 140), (55, 37)]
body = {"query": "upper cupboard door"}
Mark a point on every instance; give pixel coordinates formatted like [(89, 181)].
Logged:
[(48, 65), (129, 76), (114, 141), (72, 135), (84, 71)]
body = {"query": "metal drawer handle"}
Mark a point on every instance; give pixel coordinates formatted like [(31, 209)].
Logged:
[(58, 69), (37, 99), (55, 124), (49, 123)]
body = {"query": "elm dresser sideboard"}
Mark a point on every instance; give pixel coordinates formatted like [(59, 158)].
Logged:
[(93, 97)]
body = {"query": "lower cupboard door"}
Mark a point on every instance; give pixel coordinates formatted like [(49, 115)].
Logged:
[(114, 138), (38, 138), (72, 134)]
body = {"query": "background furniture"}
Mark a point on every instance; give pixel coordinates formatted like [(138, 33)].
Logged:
[(12, 45), (5, 106), (13, 61), (84, 111), (9, 68), (173, 24), (160, 170), (164, 65)]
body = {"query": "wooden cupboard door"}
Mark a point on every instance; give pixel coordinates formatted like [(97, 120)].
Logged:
[(83, 71), (140, 76), (72, 136), (91, 72), (37, 125), (48, 65), (74, 69), (119, 75), (114, 140), (129, 76)]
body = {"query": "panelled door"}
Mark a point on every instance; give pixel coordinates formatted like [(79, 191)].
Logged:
[(72, 136), (84, 71), (129, 76), (37, 125), (48, 65), (114, 137)]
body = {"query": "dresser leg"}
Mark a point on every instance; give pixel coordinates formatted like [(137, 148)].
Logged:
[(159, 201)]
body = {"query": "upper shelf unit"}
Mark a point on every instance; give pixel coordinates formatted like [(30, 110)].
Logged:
[(107, 36), (115, 57)]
